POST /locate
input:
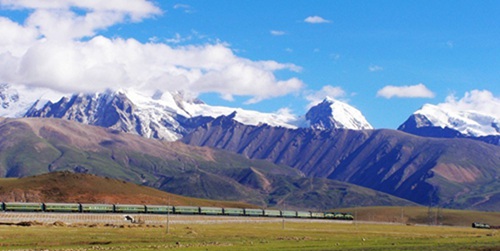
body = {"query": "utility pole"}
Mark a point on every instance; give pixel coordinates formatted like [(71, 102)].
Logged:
[(168, 215), (355, 214), (402, 216), (429, 212), (436, 221), (282, 216), (356, 218)]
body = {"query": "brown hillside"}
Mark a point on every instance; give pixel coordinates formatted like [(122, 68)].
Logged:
[(91, 138), (70, 187)]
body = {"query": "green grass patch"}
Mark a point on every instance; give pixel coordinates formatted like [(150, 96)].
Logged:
[(424, 215)]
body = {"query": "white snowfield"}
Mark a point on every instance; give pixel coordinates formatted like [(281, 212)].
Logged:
[(14, 102), (346, 116), (175, 103), (469, 123)]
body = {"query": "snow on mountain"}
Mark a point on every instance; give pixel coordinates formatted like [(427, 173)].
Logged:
[(14, 102), (167, 116), (334, 114), (176, 103), (116, 111), (468, 123)]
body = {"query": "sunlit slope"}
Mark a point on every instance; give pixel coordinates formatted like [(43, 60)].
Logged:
[(67, 187)]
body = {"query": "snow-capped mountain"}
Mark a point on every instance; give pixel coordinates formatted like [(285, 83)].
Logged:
[(334, 114), (464, 123), (167, 116), (116, 110), (190, 108), (14, 102)]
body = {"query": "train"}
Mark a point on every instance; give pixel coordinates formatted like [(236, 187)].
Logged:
[(484, 226), (480, 225), (163, 209)]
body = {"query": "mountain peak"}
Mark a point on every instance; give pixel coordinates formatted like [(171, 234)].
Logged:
[(469, 123), (328, 99), (16, 100), (335, 114)]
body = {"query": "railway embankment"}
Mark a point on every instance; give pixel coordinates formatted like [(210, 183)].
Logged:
[(13, 218)]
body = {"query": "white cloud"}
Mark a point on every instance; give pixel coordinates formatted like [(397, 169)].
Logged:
[(408, 91), (277, 33), (375, 68), (59, 47), (316, 97), (181, 6), (316, 20), (475, 100), (177, 39), (187, 8), (63, 19), (135, 9), (15, 39)]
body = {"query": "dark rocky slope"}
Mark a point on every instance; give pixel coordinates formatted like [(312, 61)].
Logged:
[(458, 173)]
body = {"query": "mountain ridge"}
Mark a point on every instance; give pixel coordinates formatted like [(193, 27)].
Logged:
[(163, 115), (439, 122), (423, 170), (31, 146)]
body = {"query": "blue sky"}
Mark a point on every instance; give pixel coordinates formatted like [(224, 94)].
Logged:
[(386, 58)]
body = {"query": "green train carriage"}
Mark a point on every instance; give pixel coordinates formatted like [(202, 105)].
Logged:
[(272, 213), (317, 215), (186, 210), (211, 210), (304, 214), (234, 211), (62, 207), (23, 207), (159, 209), (253, 212), (124, 208), (98, 208), (289, 214)]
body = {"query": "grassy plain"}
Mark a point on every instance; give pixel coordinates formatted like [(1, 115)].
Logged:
[(308, 235), (424, 215)]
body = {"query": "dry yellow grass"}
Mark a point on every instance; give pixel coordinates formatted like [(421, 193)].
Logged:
[(249, 236)]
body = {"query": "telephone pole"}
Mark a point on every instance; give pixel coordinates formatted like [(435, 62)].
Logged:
[(168, 215), (282, 216), (402, 216)]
